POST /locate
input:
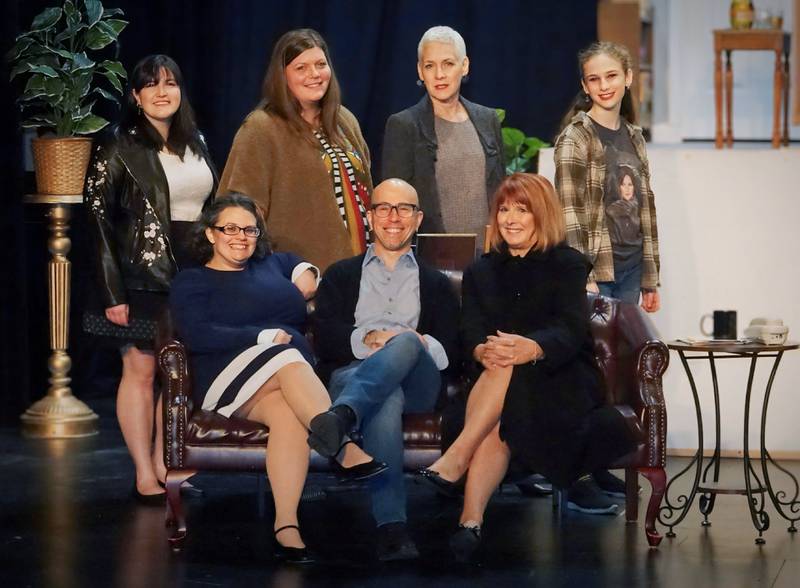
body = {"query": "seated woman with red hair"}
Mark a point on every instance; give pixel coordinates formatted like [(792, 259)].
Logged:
[(537, 397)]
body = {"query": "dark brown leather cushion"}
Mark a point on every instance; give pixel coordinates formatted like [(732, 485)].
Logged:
[(209, 428)]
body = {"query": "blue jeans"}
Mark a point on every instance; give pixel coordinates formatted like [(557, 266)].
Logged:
[(626, 286), (399, 378)]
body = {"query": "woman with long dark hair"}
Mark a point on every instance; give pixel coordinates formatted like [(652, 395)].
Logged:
[(599, 140), (300, 155), (148, 180), (600, 136)]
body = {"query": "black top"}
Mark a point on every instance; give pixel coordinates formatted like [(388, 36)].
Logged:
[(553, 418)]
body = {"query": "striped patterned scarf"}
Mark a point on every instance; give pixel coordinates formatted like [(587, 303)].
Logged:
[(344, 186)]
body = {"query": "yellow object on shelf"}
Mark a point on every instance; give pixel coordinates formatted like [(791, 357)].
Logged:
[(741, 14)]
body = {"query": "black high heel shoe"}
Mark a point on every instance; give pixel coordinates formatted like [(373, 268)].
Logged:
[(464, 542), (293, 555), (438, 483), (359, 472), (159, 499), (329, 428)]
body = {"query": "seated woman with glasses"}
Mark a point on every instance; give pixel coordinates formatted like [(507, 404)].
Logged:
[(242, 316)]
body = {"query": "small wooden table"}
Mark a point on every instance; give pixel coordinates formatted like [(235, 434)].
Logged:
[(729, 40)]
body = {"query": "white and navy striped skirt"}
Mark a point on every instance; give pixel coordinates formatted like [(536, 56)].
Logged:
[(248, 371)]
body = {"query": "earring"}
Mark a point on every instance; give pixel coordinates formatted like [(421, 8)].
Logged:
[(586, 98), (419, 83), (465, 79), (139, 108)]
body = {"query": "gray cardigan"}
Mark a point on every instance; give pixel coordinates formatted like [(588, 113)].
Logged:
[(409, 153)]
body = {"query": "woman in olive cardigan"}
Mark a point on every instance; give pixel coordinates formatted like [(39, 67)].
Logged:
[(301, 156)]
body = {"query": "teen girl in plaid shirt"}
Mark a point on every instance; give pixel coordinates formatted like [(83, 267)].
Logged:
[(602, 168)]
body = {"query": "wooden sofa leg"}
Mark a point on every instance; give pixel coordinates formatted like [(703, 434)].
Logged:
[(175, 515), (658, 481), (631, 495)]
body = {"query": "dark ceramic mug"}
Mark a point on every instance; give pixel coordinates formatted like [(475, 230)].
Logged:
[(724, 324)]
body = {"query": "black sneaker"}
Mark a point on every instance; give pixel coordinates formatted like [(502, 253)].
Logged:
[(584, 496), (395, 544), (610, 484)]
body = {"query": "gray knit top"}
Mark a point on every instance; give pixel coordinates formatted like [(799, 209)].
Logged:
[(460, 177)]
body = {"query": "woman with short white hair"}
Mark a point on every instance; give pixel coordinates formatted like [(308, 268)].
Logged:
[(447, 147)]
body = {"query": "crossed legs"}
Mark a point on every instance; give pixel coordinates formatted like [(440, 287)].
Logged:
[(478, 450), (400, 378), (286, 403)]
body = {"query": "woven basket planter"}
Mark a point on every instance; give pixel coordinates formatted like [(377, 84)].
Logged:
[(61, 164)]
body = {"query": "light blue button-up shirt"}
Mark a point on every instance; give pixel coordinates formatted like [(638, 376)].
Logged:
[(389, 300)]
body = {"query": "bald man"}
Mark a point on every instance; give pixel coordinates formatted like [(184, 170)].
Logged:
[(386, 327)]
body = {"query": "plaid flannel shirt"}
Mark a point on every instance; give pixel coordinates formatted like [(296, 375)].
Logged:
[(580, 178)]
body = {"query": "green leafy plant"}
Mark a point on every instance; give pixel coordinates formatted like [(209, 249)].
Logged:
[(59, 61), (519, 150)]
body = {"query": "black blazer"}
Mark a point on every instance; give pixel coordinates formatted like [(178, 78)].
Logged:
[(409, 153), (334, 318)]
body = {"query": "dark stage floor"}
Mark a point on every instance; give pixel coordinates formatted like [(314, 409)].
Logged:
[(66, 520)]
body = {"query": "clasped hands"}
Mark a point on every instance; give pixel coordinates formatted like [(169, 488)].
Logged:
[(377, 338), (505, 350)]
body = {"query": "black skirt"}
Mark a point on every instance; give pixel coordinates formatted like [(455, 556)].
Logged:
[(145, 307), (556, 424)]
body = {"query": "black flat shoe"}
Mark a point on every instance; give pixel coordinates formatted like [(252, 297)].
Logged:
[(464, 542), (292, 555), (148, 499), (328, 429), (187, 489), (359, 472), (438, 483)]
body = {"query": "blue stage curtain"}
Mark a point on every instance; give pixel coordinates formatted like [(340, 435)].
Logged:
[(523, 59)]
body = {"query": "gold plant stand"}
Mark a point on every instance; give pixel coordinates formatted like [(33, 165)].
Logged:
[(59, 414)]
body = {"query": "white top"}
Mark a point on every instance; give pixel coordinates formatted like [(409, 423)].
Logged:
[(190, 183)]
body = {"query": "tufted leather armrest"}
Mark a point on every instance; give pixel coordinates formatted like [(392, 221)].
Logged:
[(647, 360), (177, 396)]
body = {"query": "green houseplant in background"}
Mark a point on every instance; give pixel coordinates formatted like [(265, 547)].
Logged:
[(62, 69), (519, 150)]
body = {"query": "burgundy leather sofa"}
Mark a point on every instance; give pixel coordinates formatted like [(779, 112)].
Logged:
[(628, 350)]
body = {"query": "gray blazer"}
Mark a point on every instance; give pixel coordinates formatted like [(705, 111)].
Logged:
[(409, 153)]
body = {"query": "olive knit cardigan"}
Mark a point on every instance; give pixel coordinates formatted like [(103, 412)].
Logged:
[(287, 176)]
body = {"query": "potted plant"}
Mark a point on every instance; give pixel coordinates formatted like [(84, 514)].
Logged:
[(60, 61), (520, 150)]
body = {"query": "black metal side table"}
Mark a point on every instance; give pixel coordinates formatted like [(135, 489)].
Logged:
[(755, 488)]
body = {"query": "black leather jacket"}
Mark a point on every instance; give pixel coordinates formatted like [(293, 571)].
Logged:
[(127, 198)]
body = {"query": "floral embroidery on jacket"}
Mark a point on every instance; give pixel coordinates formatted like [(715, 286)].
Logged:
[(94, 181), (155, 244)]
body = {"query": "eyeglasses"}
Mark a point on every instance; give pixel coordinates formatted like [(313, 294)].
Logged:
[(403, 210), (232, 229)]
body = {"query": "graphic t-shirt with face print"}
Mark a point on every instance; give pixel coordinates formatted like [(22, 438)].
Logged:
[(622, 196)]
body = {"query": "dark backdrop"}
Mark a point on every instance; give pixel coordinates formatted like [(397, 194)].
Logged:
[(522, 56)]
